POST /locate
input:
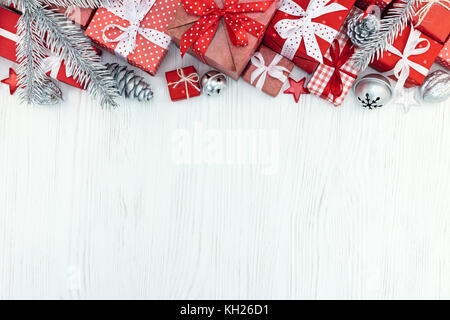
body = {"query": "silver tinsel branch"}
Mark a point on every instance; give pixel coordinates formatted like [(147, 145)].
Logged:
[(391, 26), (40, 29)]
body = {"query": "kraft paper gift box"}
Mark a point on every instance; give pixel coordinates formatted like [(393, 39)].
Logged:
[(268, 71), (52, 64), (333, 79), (409, 59), (134, 30), (433, 19), (81, 16), (303, 30), (444, 55), (222, 33)]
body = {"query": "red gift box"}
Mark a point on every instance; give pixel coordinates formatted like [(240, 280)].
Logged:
[(134, 30), (302, 30), (433, 19), (333, 79), (364, 4), (409, 59), (52, 64), (81, 16), (183, 83), (444, 55)]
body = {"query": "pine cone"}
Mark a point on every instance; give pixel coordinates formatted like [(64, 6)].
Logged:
[(362, 31), (129, 84)]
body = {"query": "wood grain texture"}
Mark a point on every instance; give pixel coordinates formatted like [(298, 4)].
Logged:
[(243, 196)]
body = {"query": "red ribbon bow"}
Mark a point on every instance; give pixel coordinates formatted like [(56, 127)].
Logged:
[(200, 35), (338, 59)]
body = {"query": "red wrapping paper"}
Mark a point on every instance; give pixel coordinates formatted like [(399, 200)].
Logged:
[(321, 81), (81, 16), (183, 83), (434, 19), (389, 60), (8, 46), (364, 4), (331, 21), (146, 54), (444, 56)]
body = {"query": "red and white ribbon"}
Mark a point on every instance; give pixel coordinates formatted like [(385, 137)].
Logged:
[(9, 35), (294, 30), (401, 69), (261, 71), (191, 79), (134, 11)]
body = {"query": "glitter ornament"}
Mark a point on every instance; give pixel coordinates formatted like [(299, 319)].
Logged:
[(436, 87)]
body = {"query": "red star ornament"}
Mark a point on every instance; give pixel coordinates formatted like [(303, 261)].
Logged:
[(12, 81), (297, 88)]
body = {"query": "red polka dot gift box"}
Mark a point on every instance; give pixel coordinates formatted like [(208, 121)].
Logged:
[(303, 30), (52, 64), (134, 30), (432, 17), (183, 83), (333, 79), (409, 59), (222, 33), (444, 55)]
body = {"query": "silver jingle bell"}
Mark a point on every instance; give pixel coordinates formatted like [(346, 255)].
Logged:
[(213, 83), (373, 91)]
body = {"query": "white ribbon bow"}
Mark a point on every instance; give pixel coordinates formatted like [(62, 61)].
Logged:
[(191, 79), (273, 69), (134, 11), (294, 30), (402, 67)]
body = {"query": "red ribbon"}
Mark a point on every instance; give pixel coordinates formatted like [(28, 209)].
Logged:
[(200, 35), (338, 59)]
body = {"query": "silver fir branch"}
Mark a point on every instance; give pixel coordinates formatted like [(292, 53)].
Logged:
[(391, 25)]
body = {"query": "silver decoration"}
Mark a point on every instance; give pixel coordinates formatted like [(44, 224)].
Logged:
[(50, 94), (362, 32), (129, 84), (373, 91), (213, 83), (436, 87)]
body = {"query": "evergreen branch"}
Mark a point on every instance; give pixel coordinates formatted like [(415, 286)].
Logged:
[(78, 3), (391, 26), (68, 41)]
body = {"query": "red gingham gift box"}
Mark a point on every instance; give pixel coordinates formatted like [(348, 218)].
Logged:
[(444, 55), (338, 64), (134, 30)]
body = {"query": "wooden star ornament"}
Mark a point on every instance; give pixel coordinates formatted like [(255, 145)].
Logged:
[(12, 81), (297, 88)]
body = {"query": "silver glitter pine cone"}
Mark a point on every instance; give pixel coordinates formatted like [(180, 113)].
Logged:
[(129, 84), (436, 87), (361, 32), (49, 94), (213, 83)]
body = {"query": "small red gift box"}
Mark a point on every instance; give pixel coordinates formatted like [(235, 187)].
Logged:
[(183, 83), (268, 71), (433, 19), (134, 30), (364, 4), (334, 78), (81, 16), (409, 59), (302, 30), (52, 64), (444, 55)]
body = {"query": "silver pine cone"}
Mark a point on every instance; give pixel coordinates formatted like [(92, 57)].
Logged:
[(129, 84), (363, 31)]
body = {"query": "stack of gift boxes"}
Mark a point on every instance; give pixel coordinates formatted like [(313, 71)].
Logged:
[(260, 40)]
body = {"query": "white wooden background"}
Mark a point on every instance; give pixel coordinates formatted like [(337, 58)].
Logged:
[(151, 201)]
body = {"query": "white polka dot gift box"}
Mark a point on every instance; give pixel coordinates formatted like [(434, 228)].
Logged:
[(303, 30), (134, 30), (408, 60), (222, 33), (444, 55)]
